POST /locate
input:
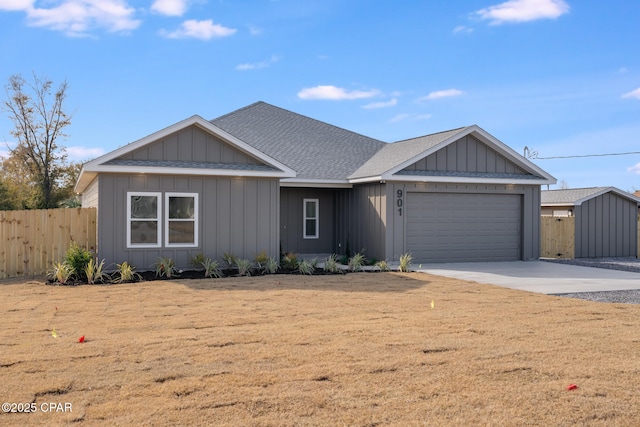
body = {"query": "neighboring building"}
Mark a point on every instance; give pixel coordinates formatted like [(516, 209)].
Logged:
[(606, 219), (264, 179)]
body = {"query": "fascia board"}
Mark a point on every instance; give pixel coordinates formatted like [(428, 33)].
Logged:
[(84, 179), (510, 153), (426, 153), (485, 137), (608, 190), (98, 163), (367, 179), (465, 180), (557, 204), (315, 183), (153, 170)]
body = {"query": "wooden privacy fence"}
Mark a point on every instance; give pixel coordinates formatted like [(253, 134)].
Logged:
[(32, 241), (557, 237)]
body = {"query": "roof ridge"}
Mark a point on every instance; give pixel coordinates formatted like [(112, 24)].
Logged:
[(300, 115), (246, 107), (432, 134)]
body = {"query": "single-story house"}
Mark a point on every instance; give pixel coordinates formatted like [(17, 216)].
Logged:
[(606, 219), (262, 179)]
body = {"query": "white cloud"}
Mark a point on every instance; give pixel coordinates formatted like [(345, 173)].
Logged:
[(16, 4), (634, 169), (523, 11), (442, 94), (255, 31), (77, 17), (461, 29), (83, 153), (413, 117), (334, 93), (633, 94), (383, 104), (169, 7), (203, 30), (258, 65)]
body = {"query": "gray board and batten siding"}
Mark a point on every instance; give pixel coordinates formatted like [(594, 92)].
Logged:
[(438, 222), (236, 215), (350, 219), (606, 226)]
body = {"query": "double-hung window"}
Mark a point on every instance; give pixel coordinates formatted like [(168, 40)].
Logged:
[(143, 220), (310, 219), (181, 219), (146, 225)]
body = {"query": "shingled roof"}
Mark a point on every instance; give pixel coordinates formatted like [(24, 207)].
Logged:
[(399, 152), (314, 149), (575, 196)]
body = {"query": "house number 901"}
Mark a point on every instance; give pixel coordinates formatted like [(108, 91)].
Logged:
[(399, 201)]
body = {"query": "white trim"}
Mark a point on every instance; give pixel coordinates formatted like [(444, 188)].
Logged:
[(451, 179), (97, 165), (167, 220), (158, 196), (315, 183), (305, 218), (484, 137)]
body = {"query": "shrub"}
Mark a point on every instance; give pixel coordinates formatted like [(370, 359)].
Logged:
[(94, 272), (307, 267), (211, 268), (356, 262), (383, 266), (331, 264), (405, 262), (229, 259), (78, 258), (126, 273), (165, 267), (261, 259), (271, 266), (244, 267), (198, 260), (290, 261), (62, 272)]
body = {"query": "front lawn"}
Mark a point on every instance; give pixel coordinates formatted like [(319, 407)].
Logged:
[(358, 349)]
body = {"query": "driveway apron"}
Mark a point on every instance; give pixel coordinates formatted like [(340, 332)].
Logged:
[(538, 276)]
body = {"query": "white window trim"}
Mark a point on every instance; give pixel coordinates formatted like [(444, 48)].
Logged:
[(158, 219), (305, 218), (195, 220)]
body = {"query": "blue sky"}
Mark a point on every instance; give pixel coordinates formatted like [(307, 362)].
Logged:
[(559, 77)]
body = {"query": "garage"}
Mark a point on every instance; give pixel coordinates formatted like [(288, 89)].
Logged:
[(456, 227)]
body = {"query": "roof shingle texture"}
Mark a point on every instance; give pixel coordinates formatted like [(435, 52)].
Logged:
[(569, 196), (190, 164), (314, 149), (397, 153)]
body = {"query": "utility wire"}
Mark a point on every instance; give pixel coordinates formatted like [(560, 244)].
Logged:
[(583, 155)]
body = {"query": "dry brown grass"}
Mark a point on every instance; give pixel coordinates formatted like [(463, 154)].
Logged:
[(358, 350)]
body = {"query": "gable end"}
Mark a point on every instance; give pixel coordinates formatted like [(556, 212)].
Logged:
[(191, 144), (466, 155)]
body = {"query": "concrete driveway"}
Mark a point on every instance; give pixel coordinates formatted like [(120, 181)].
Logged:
[(538, 276)]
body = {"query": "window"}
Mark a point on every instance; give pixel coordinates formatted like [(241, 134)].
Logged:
[(181, 219), (143, 219), (310, 219), (145, 226)]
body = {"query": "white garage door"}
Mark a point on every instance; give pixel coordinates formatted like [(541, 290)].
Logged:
[(446, 227)]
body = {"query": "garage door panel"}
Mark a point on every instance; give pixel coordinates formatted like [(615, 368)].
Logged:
[(446, 227)]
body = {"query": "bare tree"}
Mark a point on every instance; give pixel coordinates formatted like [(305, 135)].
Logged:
[(39, 118)]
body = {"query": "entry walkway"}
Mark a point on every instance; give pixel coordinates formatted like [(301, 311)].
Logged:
[(538, 276)]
